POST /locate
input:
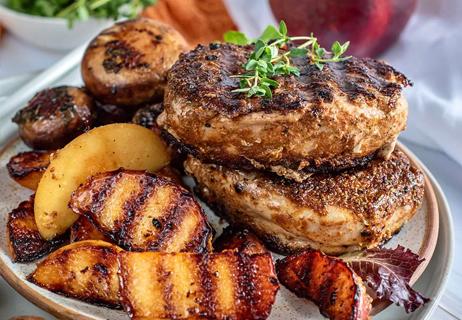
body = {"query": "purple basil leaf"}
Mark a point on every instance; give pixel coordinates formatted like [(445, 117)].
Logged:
[(388, 272)]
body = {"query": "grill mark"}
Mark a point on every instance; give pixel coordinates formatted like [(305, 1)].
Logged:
[(124, 276), (131, 209), (244, 287), (167, 288), (98, 199), (253, 294), (171, 220), (325, 290), (161, 221), (304, 274), (356, 77), (207, 300), (201, 238)]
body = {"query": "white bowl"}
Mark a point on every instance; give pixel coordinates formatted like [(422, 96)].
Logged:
[(50, 33)]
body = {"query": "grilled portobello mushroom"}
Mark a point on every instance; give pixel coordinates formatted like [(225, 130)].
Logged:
[(147, 116), (127, 64), (109, 113), (55, 116)]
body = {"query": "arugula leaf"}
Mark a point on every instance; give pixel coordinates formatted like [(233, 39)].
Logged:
[(388, 272)]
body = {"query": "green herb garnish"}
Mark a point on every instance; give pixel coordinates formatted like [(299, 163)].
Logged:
[(271, 58), (81, 9)]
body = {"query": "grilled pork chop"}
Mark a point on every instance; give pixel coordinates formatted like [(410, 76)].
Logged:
[(321, 121), (335, 213), (143, 212)]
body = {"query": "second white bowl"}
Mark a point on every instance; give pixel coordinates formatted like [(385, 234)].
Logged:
[(50, 33)]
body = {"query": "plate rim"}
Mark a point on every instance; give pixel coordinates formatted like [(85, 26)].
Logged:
[(428, 249), (434, 192), (448, 224)]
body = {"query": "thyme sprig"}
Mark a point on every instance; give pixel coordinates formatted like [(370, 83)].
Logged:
[(272, 57)]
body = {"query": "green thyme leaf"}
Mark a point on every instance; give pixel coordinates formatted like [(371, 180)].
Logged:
[(269, 33), (271, 58), (298, 52), (336, 48), (283, 28), (236, 37), (345, 46), (241, 90), (319, 65)]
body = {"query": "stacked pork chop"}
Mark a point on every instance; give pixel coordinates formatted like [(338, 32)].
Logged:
[(315, 166)]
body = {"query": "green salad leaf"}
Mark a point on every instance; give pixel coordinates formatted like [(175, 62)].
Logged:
[(80, 10)]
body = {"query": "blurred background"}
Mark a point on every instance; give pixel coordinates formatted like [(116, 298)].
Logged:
[(421, 38)]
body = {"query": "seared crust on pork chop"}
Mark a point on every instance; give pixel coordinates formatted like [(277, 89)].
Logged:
[(335, 213), (323, 119)]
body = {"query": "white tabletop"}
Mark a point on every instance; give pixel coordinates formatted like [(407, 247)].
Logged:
[(18, 58)]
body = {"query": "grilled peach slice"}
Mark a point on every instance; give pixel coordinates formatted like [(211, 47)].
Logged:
[(24, 241), (328, 282), (85, 270), (27, 168), (143, 212), (83, 229), (243, 241), (226, 285)]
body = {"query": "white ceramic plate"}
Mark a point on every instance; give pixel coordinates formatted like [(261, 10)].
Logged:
[(414, 236)]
